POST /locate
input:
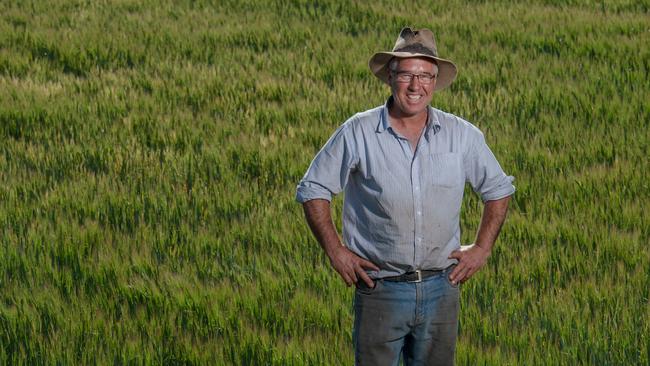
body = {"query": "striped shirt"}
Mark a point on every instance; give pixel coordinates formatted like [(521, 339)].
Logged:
[(402, 207)]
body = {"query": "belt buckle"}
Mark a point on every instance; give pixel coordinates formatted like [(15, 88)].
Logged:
[(419, 273)]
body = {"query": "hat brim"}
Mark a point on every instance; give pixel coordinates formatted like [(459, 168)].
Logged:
[(446, 69)]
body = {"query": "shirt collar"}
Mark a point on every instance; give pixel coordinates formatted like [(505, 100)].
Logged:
[(432, 120)]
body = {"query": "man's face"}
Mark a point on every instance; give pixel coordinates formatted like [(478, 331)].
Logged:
[(412, 98)]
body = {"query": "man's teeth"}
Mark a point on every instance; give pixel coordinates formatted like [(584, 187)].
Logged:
[(414, 97)]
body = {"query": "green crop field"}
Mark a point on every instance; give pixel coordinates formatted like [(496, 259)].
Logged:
[(149, 153)]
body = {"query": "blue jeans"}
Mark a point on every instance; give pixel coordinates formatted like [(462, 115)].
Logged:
[(415, 321)]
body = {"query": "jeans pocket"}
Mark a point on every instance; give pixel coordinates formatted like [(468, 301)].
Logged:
[(447, 273), (363, 289)]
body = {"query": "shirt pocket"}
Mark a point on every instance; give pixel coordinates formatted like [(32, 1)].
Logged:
[(446, 170)]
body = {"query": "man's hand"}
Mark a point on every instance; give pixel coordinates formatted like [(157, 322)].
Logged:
[(351, 267), (470, 259)]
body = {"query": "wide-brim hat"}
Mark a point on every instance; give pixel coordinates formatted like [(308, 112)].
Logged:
[(414, 43)]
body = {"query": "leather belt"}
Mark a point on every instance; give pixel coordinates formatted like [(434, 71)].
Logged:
[(415, 276)]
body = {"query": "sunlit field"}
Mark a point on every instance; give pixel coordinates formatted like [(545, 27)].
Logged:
[(150, 151)]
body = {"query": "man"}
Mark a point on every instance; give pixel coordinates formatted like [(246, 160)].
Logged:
[(403, 167)]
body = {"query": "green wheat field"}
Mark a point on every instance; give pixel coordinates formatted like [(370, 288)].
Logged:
[(149, 153)]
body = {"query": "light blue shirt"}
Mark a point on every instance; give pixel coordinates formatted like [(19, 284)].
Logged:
[(402, 207)]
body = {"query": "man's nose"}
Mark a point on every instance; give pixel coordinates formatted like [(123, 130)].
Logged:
[(415, 83)]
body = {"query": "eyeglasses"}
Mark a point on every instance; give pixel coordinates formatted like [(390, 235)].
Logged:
[(406, 77)]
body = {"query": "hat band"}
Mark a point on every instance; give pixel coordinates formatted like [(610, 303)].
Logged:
[(417, 48)]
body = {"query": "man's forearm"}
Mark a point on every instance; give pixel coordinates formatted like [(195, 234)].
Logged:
[(319, 218), (472, 257), (350, 266), (494, 214)]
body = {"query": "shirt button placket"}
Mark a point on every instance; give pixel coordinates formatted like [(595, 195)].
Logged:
[(417, 209)]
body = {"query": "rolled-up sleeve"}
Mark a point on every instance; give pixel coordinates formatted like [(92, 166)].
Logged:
[(328, 173), (484, 173)]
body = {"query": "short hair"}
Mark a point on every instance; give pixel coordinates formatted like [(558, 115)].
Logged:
[(392, 65)]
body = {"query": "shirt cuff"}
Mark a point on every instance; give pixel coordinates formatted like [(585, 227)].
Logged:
[(502, 190), (307, 191)]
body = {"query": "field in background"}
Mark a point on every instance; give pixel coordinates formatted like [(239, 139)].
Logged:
[(149, 153)]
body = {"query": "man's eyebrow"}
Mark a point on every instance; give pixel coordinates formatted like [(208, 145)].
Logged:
[(414, 73)]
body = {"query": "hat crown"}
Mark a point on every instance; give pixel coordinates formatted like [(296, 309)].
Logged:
[(418, 41)]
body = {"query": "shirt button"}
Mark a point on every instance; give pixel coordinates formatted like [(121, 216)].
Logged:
[(419, 212)]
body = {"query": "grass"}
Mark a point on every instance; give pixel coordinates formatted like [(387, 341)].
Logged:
[(150, 152)]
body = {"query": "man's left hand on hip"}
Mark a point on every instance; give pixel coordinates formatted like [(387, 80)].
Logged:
[(470, 259)]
